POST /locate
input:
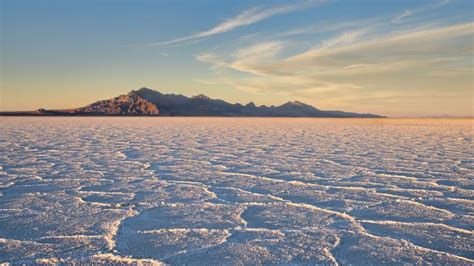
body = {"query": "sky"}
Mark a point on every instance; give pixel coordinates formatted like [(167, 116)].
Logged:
[(397, 58)]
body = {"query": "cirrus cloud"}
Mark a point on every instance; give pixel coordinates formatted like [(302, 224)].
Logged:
[(245, 18)]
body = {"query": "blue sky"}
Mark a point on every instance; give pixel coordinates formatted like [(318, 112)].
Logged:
[(397, 58)]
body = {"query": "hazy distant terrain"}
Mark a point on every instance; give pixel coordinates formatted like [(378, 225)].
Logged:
[(147, 102), (236, 190)]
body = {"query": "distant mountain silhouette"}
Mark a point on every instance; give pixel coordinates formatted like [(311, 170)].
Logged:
[(147, 102)]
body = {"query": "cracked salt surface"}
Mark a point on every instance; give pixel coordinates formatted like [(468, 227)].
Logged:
[(236, 191)]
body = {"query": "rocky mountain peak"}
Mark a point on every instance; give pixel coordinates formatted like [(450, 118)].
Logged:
[(130, 104), (200, 96)]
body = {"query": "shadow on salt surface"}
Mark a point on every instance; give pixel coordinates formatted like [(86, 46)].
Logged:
[(34, 217), (467, 183), (41, 187), (402, 210), (238, 195), (51, 249), (108, 198), (185, 215), (455, 205), (256, 247), (172, 193), (217, 234), (284, 216), (184, 225), (32, 227), (372, 250), (184, 232), (454, 240), (341, 199), (132, 154), (164, 243)]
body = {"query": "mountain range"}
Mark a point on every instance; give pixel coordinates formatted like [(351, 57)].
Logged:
[(147, 102)]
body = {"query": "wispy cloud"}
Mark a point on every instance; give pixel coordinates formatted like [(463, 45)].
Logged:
[(324, 27), (363, 64), (403, 15), (404, 42), (245, 18), (411, 12), (344, 39)]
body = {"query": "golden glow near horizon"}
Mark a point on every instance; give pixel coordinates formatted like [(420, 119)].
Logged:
[(414, 60)]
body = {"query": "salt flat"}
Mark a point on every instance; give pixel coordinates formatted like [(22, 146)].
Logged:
[(236, 190)]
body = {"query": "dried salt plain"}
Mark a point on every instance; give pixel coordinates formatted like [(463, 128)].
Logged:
[(236, 191)]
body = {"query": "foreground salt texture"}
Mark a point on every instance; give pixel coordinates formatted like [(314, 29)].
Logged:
[(236, 191)]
